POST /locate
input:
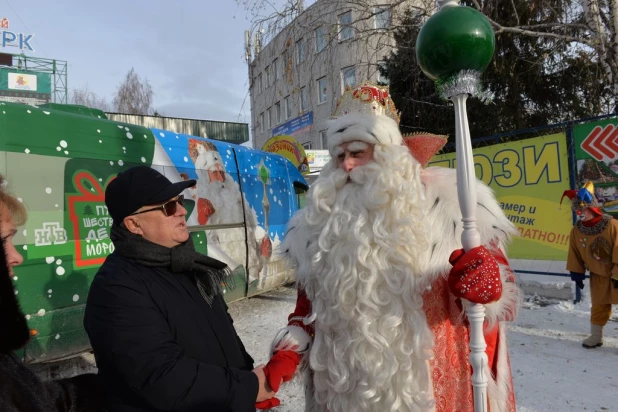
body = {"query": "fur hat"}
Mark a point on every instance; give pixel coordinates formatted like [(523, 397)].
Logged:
[(365, 113), (364, 128)]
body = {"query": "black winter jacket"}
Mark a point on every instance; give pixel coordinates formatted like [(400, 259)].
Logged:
[(22, 391), (160, 347)]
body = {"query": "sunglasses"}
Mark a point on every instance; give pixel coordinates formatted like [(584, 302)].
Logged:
[(168, 208)]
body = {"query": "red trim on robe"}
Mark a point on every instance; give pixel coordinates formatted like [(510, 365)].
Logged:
[(302, 310)]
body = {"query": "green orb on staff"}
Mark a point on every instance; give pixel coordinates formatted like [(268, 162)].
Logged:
[(453, 48)]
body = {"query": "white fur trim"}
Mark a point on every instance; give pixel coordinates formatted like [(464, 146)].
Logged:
[(296, 339), (444, 217), (507, 307), (371, 129), (291, 338), (499, 386)]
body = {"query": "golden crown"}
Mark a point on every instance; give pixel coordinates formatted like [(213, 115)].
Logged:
[(367, 98)]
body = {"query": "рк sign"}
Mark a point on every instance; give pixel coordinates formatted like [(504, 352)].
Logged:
[(11, 39)]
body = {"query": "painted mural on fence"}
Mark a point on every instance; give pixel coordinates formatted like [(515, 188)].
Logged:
[(596, 153), (528, 178), (59, 164)]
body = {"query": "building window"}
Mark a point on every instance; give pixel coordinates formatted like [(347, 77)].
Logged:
[(323, 140), (320, 39), (346, 31), (307, 145), (268, 119), (260, 84), (282, 64), (348, 77), (382, 79), (268, 78), (304, 101), (382, 17), (277, 113), (275, 66), (322, 88), (262, 122), (288, 107), (300, 51)]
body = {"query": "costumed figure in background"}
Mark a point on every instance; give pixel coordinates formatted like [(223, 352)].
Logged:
[(379, 323), (593, 246)]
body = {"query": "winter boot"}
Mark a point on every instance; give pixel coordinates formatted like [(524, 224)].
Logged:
[(596, 337)]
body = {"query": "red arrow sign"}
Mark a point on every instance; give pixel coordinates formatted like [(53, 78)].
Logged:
[(602, 143)]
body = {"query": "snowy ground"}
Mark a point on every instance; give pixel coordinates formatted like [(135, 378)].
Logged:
[(551, 370)]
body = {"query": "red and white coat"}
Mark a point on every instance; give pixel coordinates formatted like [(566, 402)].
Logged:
[(450, 370)]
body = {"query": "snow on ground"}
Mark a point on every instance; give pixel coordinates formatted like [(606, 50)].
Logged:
[(551, 370)]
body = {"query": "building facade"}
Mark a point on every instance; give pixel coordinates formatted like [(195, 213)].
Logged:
[(297, 78), (229, 132)]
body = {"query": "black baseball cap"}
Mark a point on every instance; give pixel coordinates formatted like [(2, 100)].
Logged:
[(137, 187)]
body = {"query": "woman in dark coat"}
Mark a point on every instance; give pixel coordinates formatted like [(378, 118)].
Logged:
[(20, 389)]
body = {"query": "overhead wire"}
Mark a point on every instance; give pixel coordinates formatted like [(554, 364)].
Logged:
[(22, 22)]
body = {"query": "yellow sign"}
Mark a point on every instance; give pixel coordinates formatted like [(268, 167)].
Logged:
[(289, 148), (528, 178)]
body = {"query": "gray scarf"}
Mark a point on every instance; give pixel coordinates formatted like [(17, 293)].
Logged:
[(210, 274)]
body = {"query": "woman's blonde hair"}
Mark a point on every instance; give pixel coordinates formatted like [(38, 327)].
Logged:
[(14, 206)]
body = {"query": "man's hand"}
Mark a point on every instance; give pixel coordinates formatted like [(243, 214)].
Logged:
[(475, 276), (265, 398), (264, 390)]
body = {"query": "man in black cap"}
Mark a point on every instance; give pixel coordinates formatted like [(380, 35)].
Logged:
[(159, 327)]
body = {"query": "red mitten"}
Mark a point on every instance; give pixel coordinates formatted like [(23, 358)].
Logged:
[(475, 276), (268, 403), (281, 368)]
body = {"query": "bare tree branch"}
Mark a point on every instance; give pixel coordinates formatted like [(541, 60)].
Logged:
[(87, 98), (515, 12), (134, 95), (580, 25), (517, 30)]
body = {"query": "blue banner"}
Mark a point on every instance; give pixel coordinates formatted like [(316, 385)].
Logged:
[(295, 126)]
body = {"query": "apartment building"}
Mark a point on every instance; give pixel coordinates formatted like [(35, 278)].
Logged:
[(297, 78)]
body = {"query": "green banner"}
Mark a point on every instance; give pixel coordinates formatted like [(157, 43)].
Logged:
[(596, 154), (528, 178), (24, 81)]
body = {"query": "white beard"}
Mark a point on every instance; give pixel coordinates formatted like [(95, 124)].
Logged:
[(359, 248)]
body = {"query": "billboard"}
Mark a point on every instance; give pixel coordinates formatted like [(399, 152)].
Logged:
[(596, 154), (289, 148), (528, 178), (317, 159), (21, 86), (295, 126)]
